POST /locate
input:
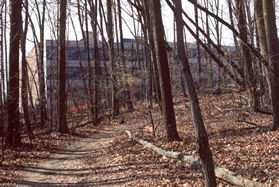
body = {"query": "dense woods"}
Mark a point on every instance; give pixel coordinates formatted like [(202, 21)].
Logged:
[(70, 69)]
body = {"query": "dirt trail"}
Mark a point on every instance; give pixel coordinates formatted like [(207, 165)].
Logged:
[(68, 167)]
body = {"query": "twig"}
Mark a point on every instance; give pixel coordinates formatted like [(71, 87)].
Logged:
[(219, 109), (248, 122)]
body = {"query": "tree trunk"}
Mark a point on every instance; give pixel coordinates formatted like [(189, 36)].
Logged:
[(115, 107), (24, 78), (41, 71), (127, 93), (261, 44), (97, 70), (62, 97), (105, 82), (89, 66), (147, 55), (246, 56), (13, 134), (273, 56), (202, 139), (2, 82), (85, 36), (199, 68), (164, 74), (153, 53), (210, 65)]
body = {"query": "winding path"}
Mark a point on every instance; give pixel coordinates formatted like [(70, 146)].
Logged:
[(68, 167)]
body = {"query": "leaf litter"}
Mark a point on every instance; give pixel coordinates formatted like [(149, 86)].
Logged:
[(240, 141)]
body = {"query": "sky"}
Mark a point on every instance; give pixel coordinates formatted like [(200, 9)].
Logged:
[(227, 38), (167, 16)]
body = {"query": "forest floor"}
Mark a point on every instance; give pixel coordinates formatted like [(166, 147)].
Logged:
[(103, 155)]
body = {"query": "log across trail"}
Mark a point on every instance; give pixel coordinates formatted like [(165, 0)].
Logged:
[(105, 158), (221, 173)]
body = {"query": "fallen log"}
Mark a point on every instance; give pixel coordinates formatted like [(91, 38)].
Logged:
[(221, 173)]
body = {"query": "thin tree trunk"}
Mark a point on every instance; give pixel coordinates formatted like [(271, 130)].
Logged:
[(237, 48), (153, 53), (164, 74), (202, 138), (127, 93), (62, 96), (147, 53), (97, 71), (115, 107), (261, 33), (89, 66), (85, 35), (24, 94), (199, 68), (41, 71), (208, 59), (246, 56), (105, 82), (2, 82)]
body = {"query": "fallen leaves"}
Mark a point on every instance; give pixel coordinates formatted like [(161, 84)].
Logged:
[(249, 150)]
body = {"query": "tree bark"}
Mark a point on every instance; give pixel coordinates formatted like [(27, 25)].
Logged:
[(261, 44), (89, 65), (43, 102), (97, 69), (62, 97), (13, 134), (2, 82), (273, 56)]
